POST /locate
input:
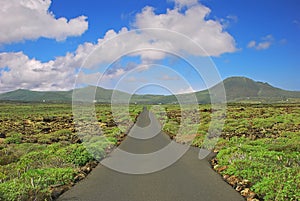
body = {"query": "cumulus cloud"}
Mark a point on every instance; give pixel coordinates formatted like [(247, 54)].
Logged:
[(84, 79), (193, 23), (30, 19), (228, 21), (17, 71), (208, 34), (185, 90), (59, 74), (265, 43), (183, 3), (26, 73)]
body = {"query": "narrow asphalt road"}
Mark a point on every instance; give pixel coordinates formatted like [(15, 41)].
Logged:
[(188, 179)]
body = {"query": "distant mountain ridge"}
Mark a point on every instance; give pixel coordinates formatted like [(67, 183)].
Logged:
[(238, 89), (242, 88)]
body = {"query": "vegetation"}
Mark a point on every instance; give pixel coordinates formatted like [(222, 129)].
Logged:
[(259, 143), (41, 147), (272, 165)]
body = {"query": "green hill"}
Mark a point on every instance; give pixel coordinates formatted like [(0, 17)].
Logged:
[(238, 89), (243, 89), (23, 95), (98, 94)]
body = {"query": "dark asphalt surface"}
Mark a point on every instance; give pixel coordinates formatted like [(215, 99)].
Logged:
[(188, 179)]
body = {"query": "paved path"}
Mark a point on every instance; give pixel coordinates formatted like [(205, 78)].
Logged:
[(188, 179)]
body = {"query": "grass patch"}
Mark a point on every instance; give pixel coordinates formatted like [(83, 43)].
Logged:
[(40, 147)]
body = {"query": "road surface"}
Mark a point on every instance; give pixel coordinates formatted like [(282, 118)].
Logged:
[(188, 179)]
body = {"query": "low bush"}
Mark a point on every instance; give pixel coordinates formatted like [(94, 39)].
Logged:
[(13, 138), (272, 165)]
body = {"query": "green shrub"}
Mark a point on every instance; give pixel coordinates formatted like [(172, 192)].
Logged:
[(63, 134), (14, 190), (45, 177), (269, 164), (34, 184), (76, 154), (14, 138)]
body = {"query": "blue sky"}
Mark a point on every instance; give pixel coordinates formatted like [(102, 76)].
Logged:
[(252, 38)]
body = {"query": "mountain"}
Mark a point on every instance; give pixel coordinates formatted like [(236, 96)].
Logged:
[(238, 89), (82, 94), (242, 88), (23, 95), (99, 94)]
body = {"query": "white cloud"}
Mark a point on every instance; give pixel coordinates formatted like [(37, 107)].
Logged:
[(186, 90), (251, 44), (183, 3), (60, 73), (209, 34), (30, 19), (228, 21), (265, 43), (27, 73), (87, 79), (268, 37), (54, 75)]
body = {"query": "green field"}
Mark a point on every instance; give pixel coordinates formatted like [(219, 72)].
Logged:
[(259, 144), (42, 152)]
